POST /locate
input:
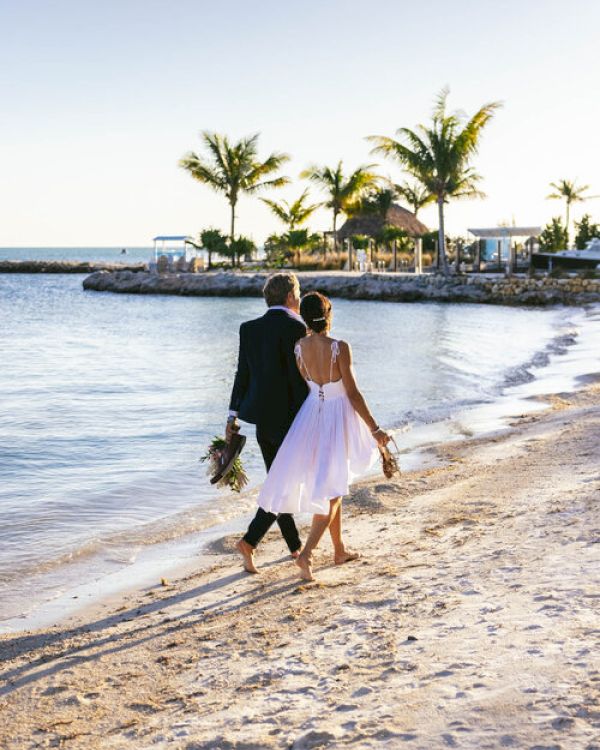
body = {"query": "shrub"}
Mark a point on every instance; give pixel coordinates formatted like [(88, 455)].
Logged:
[(554, 236), (585, 231)]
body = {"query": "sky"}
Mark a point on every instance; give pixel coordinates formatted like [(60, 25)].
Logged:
[(101, 100)]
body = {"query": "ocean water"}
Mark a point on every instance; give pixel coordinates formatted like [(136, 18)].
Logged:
[(107, 254), (108, 401)]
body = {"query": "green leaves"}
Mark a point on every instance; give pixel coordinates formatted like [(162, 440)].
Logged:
[(233, 168), (438, 155), (586, 230), (569, 191), (236, 478), (342, 192), (554, 236), (294, 214), (415, 195)]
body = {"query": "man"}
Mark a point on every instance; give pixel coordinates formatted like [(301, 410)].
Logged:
[(267, 391)]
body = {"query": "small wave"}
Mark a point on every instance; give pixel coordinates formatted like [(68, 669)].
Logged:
[(435, 413), (121, 548), (522, 373)]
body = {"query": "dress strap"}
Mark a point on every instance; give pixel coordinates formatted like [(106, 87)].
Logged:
[(335, 350), (301, 362)]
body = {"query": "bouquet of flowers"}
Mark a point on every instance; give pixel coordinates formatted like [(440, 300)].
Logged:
[(217, 455)]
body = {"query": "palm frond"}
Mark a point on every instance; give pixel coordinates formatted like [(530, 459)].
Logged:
[(280, 210), (276, 182), (439, 108), (232, 168)]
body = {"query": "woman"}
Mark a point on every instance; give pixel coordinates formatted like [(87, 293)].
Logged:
[(332, 440)]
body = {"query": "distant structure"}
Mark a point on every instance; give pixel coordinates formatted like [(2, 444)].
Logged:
[(174, 246), (371, 224), (496, 245)]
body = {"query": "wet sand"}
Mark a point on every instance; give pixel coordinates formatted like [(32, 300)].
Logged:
[(471, 621)]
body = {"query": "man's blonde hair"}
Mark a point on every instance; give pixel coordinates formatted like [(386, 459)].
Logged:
[(278, 286)]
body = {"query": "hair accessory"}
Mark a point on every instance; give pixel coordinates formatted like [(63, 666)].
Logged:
[(315, 320)]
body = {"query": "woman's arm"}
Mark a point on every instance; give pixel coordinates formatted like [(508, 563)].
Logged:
[(355, 396)]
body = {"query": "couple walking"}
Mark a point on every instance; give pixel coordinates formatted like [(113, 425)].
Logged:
[(313, 426)]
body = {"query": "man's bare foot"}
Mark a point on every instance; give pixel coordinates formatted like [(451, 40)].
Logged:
[(304, 562), (247, 552), (295, 555), (345, 556)]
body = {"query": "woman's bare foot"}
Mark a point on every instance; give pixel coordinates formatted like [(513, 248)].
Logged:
[(247, 552), (345, 556), (304, 562)]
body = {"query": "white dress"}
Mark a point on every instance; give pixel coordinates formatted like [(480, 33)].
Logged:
[(325, 449)]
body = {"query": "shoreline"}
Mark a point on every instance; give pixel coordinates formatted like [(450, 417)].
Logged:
[(390, 287), (470, 620), (420, 449), (67, 266), (48, 594)]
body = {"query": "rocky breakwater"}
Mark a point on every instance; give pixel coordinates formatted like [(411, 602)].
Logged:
[(65, 266), (516, 290)]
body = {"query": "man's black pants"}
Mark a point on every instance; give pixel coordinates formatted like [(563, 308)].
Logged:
[(263, 521)]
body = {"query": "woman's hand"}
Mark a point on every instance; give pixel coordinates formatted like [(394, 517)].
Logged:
[(381, 437)]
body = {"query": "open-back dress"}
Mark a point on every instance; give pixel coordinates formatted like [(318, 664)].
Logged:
[(327, 447)]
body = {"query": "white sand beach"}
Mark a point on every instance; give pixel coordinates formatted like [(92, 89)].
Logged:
[(472, 621)]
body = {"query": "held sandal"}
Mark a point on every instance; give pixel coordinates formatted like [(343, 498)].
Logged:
[(389, 462)]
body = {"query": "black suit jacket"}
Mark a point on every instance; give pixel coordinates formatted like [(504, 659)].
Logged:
[(268, 390)]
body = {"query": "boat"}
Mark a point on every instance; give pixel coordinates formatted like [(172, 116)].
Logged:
[(574, 260)]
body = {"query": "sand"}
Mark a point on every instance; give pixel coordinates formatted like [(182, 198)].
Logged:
[(472, 621)]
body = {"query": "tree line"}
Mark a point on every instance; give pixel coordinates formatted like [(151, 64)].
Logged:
[(436, 157)]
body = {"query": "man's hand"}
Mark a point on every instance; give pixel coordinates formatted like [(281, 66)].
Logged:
[(231, 427)]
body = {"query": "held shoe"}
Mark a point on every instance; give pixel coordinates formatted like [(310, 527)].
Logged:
[(228, 456)]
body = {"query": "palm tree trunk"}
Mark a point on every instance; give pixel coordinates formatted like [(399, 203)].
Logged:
[(209, 260), (232, 225), (441, 236), (232, 231), (335, 239), (457, 258), (567, 222)]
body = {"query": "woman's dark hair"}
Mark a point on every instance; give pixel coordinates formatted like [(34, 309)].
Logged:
[(315, 308)]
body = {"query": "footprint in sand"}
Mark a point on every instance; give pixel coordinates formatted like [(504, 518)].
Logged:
[(55, 690), (313, 740), (449, 740), (145, 708)]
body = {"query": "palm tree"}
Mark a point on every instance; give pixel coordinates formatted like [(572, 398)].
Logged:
[(233, 168), (342, 192), (415, 195), (438, 155), (380, 201), (214, 243), (567, 190), (377, 201), (294, 214)]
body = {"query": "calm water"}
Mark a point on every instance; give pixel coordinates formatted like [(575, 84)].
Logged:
[(109, 400), (109, 254)]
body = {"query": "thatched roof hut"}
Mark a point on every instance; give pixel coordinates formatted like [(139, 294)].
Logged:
[(371, 224)]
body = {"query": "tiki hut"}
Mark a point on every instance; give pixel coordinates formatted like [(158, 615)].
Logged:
[(371, 223)]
